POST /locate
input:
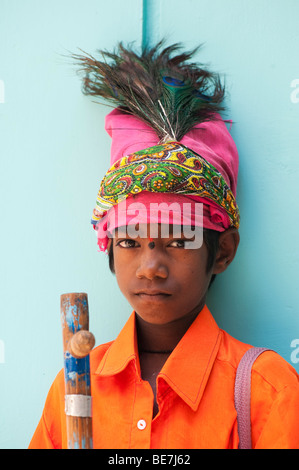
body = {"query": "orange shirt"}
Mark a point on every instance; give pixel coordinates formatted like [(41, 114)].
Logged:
[(195, 393)]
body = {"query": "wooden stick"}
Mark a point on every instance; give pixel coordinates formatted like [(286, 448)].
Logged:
[(77, 343)]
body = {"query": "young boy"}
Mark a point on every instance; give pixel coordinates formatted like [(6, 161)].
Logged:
[(167, 215)]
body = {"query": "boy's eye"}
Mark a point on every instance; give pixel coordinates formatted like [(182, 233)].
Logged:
[(178, 244), (127, 243)]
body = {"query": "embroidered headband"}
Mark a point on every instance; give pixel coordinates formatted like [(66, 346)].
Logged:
[(166, 168)]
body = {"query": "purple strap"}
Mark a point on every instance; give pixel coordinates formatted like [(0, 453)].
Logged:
[(243, 395)]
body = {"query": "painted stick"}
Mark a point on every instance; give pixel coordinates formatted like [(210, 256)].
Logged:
[(77, 343)]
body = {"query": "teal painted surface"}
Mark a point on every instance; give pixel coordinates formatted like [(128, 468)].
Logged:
[(54, 151)]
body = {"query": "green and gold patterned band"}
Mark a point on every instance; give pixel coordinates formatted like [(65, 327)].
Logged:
[(165, 168)]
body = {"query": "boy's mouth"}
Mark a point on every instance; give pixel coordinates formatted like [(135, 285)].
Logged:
[(152, 294)]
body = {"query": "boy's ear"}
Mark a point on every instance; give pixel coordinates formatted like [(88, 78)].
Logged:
[(227, 248)]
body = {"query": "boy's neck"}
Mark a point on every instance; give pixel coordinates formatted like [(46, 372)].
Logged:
[(156, 338)]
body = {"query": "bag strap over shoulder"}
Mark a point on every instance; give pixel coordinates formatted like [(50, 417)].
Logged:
[(243, 395)]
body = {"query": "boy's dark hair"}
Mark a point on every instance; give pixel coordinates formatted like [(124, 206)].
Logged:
[(210, 238)]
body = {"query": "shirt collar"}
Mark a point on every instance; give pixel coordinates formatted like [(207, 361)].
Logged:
[(122, 351), (188, 367)]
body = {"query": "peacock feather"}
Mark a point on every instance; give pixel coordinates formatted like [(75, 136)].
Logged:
[(159, 85)]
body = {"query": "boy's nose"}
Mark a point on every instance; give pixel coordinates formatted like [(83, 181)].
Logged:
[(151, 265)]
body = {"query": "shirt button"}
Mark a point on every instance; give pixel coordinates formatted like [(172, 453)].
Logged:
[(141, 424)]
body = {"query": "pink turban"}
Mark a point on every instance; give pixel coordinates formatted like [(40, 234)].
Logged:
[(210, 140)]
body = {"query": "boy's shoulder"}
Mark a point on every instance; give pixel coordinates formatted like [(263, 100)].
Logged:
[(270, 367)]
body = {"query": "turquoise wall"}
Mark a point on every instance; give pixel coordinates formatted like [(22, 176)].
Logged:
[(54, 151)]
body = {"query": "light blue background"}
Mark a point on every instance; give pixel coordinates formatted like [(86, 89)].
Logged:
[(54, 151)]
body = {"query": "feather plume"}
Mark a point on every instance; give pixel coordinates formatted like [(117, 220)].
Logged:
[(159, 85)]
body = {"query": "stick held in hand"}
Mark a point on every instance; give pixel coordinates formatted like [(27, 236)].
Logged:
[(77, 343)]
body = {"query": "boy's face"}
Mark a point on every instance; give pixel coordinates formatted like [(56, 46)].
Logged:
[(164, 283)]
